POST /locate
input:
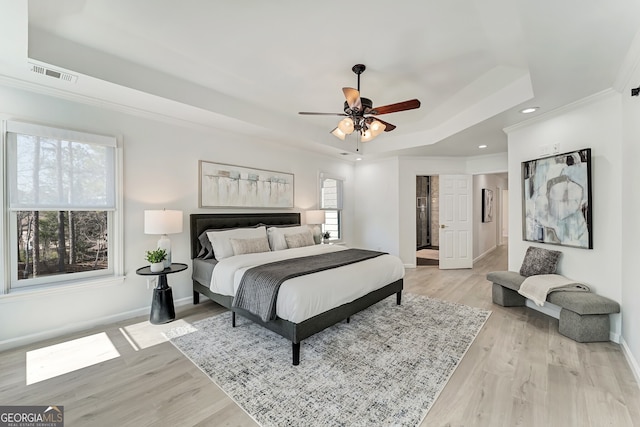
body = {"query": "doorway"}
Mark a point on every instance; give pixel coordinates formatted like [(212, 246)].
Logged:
[(427, 220)]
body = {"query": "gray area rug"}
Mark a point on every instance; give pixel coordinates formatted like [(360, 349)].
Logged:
[(385, 368)]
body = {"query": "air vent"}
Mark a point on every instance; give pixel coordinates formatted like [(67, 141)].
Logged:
[(53, 73)]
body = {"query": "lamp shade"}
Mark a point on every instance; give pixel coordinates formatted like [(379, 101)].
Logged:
[(346, 125), (315, 217), (377, 128), (338, 133), (162, 222)]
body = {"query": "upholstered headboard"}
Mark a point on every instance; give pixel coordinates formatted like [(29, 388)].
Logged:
[(201, 222)]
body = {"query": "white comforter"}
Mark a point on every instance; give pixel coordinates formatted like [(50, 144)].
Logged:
[(303, 297)]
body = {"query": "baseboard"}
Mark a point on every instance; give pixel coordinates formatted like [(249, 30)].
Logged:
[(633, 363), (81, 326), (487, 252)]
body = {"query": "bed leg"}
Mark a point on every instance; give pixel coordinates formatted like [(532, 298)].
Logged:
[(196, 297), (399, 298), (233, 319), (295, 347), (349, 319)]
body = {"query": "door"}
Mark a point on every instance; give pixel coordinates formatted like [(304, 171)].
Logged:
[(456, 222)]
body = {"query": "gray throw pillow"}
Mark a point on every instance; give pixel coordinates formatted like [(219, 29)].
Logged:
[(207, 250), (539, 261), (299, 240)]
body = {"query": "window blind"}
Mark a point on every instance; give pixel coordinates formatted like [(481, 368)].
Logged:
[(59, 169)]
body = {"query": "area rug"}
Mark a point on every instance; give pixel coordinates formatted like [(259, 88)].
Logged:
[(384, 368)]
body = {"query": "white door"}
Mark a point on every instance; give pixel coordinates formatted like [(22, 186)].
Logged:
[(456, 224)]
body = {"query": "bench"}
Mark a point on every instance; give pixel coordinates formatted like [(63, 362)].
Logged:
[(584, 316)]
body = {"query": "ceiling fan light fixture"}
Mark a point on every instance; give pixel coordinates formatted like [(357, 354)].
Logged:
[(367, 136), (338, 133), (376, 128), (346, 126)]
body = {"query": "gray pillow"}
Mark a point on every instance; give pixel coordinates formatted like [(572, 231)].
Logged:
[(539, 261), (299, 240), (207, 250)]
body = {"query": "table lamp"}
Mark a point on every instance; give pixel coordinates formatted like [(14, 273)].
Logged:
[(315, 218), (163, 222)]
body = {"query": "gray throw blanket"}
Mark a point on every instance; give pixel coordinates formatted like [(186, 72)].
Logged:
[(259, 286)]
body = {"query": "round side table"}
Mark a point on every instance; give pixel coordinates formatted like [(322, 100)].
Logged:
[(162, 310)]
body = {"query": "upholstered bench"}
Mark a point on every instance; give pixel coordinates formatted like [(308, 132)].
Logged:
[(584, 316)]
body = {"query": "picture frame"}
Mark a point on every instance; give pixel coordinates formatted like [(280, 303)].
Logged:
[(231, 186), (487, 205), (556, 200)]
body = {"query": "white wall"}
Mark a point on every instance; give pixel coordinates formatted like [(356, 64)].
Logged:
[(592, 123), (376, 206), (160, 171), (486, 234), (630, 223)]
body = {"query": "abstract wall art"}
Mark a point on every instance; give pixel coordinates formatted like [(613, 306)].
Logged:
[(487, 205), (230, 186), (556, 199)]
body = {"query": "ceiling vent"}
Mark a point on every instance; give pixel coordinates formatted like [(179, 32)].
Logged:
[(60, 75)]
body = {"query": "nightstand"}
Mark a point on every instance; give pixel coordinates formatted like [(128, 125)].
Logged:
[(162, 310)]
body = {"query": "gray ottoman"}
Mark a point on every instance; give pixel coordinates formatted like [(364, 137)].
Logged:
[(584, 316)]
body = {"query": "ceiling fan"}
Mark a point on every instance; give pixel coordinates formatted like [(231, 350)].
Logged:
[(358, 111)]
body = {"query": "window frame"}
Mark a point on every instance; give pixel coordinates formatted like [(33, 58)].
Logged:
[(339, 202), (8, 254)]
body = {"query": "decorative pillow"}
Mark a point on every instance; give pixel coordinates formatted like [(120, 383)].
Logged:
[(539, 261), (207, 250), (299, 240), (276, 235), (249, 246), (220, 239)]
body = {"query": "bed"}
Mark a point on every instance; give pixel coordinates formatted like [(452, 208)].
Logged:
[(304, 322)]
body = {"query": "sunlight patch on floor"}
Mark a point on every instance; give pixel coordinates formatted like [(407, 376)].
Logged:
[(69, 356), (144, 334)]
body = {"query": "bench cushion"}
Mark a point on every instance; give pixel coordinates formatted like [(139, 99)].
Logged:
[(584, 302), (508, 279)]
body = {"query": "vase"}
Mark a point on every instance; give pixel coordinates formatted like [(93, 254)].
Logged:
[(157, 267)]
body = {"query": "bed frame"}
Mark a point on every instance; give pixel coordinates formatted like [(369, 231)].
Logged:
[(295, 332)]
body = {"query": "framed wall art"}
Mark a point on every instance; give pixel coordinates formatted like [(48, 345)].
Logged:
[(556, 199), (231, 186), (487, 205)]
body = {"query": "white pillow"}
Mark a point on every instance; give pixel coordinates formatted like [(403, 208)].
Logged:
[(299, 240), (220, 239), (250, 246), (276, 235)]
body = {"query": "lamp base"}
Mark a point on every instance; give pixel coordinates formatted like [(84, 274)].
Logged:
[(165, 243)]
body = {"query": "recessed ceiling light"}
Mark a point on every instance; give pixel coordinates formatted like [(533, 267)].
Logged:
[(482, 146), (529, 110), (358, 158)]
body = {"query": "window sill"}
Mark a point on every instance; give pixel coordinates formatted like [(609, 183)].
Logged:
[(44, 290)]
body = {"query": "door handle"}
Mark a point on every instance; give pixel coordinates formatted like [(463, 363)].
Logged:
[(443, 226)]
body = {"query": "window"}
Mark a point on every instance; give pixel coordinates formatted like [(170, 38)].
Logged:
[(331, 203), (61, 204)]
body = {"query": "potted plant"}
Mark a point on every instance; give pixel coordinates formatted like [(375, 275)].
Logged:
[(156, 258), (325, 236)]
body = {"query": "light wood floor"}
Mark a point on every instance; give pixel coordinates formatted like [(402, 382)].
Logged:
[(518, 372)]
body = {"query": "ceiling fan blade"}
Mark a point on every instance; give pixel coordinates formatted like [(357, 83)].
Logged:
[(308, 113), (412, 104), (353, 97)]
